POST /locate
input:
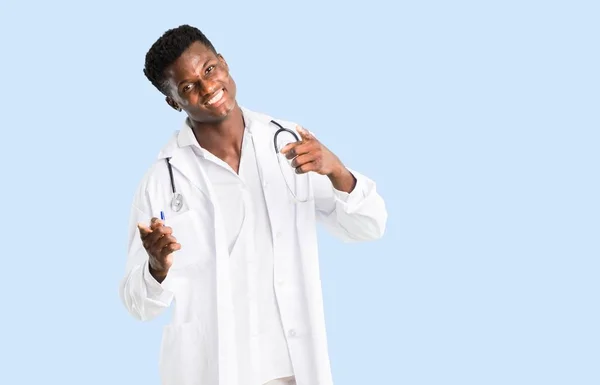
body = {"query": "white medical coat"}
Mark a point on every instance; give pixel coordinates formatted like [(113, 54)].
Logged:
[(198, 346)]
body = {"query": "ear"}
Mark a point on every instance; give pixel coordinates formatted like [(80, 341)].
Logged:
[(173, 104)]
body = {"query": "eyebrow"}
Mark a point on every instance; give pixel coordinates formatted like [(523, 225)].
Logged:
[(187, 80)]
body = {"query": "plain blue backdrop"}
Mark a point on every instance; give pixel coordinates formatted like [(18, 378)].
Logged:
[(478, 119)]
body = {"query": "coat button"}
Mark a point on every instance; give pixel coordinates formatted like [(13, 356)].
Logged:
[(292, 333)]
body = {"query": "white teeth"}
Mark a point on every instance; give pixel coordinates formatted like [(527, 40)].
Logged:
[(215, 98)]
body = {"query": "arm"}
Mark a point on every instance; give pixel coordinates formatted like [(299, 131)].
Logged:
[(143, 297), (346, 202), (355, 213)]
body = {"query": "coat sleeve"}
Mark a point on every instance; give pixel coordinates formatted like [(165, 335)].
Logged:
[(143, 297), (358, 216)]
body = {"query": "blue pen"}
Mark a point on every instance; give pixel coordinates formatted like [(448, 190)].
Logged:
[(162, 216)]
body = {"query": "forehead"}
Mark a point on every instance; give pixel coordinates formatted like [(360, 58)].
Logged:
[(190, 63)]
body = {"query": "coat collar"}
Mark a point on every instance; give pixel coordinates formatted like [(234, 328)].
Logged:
[(183, 157), (256, 124)]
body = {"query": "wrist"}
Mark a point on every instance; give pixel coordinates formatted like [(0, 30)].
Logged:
[(158, 275), (338, 172), (342, 179)]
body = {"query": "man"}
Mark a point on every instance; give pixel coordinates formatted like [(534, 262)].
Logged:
[(237, 251)]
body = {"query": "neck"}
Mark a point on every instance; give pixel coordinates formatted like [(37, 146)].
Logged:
[(224, 136)]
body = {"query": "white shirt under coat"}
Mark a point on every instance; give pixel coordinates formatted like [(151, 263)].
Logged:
[(262, 349)]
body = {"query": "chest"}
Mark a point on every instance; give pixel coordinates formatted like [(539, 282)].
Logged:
[(239, 196), (214, 186)]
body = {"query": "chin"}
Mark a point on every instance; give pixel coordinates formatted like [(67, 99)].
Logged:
[(219, 115), (226, 109), (216, 114)]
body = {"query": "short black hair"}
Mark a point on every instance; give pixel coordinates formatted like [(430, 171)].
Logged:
[(169, 48)]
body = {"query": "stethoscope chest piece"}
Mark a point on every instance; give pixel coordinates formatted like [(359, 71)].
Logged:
[(177, 202)]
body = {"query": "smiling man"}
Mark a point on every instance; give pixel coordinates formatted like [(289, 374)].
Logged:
[(236, 253)]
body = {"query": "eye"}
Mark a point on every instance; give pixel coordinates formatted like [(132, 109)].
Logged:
[(187, 88), (210, 69)]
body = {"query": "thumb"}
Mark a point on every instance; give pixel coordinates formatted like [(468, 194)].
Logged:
[(144, 230)]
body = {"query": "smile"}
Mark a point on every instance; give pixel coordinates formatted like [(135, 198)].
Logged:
[(216, 98)]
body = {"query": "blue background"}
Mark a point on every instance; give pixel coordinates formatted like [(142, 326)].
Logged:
[(479, 121)]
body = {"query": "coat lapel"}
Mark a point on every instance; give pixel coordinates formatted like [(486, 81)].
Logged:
[(184, 160), (273, 184)]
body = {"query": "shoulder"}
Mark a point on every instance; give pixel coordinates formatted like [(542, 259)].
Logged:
[(157, 172), (151, 179)]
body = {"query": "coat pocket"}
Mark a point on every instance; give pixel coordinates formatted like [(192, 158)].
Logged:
[(188, 355), (194, 231)]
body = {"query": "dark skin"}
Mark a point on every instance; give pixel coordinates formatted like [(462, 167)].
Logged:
[(199, 83), (198, 76)]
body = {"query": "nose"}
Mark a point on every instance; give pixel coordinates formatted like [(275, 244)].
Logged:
[(207, 87)]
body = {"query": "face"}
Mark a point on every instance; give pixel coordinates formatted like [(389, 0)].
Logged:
[(199, 83)]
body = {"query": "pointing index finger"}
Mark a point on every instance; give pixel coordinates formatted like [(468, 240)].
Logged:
[(305, 134)]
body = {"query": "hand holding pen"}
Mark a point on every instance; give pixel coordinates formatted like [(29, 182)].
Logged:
[(159, 242)]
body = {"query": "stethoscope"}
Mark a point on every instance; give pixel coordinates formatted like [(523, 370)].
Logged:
[(279, 131), (177, 200), (280, 156)]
